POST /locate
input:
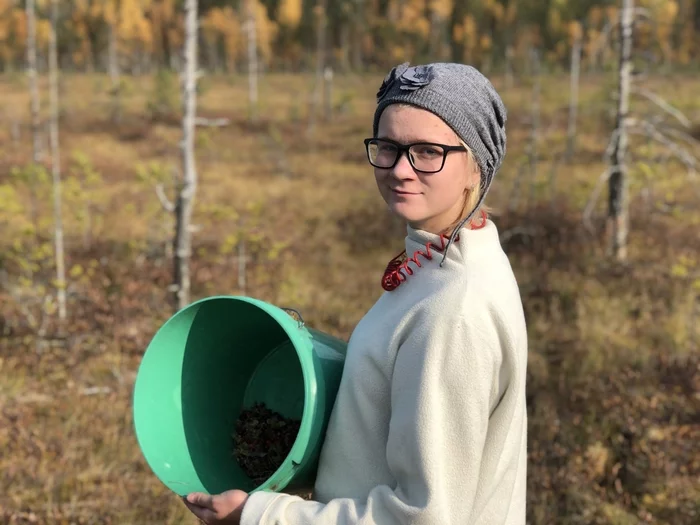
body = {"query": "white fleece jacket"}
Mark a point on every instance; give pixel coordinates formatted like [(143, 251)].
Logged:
[(429, 425)]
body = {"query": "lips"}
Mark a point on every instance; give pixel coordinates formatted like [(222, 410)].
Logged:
[(403, 192)]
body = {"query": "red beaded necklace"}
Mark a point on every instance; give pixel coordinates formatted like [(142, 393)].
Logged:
[(398, 267)]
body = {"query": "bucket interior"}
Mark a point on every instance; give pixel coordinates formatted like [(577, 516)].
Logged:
[(233, 354)]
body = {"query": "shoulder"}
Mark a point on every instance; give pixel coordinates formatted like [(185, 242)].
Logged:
[(481, 302)]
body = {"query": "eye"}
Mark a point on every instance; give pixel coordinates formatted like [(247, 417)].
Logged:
[(427, 151)]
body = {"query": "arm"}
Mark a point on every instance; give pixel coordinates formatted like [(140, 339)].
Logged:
[(445, 380)]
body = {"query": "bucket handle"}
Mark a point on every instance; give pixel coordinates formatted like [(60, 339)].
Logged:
[(292, 310)]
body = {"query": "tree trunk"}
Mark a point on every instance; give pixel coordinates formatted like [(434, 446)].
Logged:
[(34, 108), (185, 197), (573, 99), (252, 60), (617, 185), (56, 165), (328, 94)]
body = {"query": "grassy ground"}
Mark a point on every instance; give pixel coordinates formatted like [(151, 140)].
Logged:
[(614, 377)]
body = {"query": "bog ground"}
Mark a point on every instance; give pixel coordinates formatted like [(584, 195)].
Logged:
[(614, 370)]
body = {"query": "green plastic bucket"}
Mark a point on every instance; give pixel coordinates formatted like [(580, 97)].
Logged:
[(212, 359)]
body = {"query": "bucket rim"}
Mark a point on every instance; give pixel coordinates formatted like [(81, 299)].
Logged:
[(301, 339)]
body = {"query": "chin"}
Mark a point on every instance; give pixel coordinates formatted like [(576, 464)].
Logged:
[(407, 213)]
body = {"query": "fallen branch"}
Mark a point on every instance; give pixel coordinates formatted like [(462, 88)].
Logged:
[(212, 123), (647, 129), (593, 199), (682, 135), (661, 103), (164, 201), (95, 390)]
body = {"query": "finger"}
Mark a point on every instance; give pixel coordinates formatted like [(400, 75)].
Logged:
[(201, 500)]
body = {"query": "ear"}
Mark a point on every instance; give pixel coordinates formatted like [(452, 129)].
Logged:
[(473, 173)]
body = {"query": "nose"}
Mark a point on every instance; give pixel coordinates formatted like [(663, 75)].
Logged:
[(403, 169)]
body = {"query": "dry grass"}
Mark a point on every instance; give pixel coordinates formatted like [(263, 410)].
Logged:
[(614, 409)]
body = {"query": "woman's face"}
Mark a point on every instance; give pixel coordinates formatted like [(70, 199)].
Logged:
[(427, 201)]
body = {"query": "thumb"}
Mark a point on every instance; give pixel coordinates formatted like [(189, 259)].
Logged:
[(201, 500)]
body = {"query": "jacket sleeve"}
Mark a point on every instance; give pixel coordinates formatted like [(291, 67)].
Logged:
[(444, 384)]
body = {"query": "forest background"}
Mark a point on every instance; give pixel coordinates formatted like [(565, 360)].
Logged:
[(117, 115)]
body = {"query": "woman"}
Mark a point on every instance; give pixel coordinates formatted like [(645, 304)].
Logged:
[(429, 425)]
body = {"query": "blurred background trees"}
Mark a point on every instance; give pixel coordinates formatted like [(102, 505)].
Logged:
[(138, 36)]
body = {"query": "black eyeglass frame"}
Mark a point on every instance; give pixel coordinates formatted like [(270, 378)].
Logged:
[(401, 148)]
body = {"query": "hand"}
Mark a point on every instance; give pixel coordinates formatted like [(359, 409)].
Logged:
[(224, 508)]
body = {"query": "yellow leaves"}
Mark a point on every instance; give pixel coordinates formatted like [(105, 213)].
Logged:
[(229, 244), (43, 30), (554, 17), (76, 271), (679, 270), (575, 31), (683, 267), (110, 12), (266, 30), (290, 12), (442, 8), (595, 16), (133, 24), (223, 23), (413, 20), (9, 203), (496, 10), (612, 13)]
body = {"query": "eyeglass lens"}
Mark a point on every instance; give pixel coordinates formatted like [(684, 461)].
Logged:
[(423, 157)]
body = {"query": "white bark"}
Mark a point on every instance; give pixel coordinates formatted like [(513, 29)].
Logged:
[(618, 218), (328, 94), (185, 197), (252, 60), (56, 165)]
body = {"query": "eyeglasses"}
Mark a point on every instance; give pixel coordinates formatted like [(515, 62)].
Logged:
[(425, 157)]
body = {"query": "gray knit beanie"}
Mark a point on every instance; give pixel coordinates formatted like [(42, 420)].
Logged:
[(464, 99)]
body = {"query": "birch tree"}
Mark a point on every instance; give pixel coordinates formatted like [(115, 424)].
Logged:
[(677, 143), (188, 185), (56, 165), (617, 186)]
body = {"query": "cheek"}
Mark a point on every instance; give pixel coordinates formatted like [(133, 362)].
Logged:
[(381, 176), (446, 191)]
